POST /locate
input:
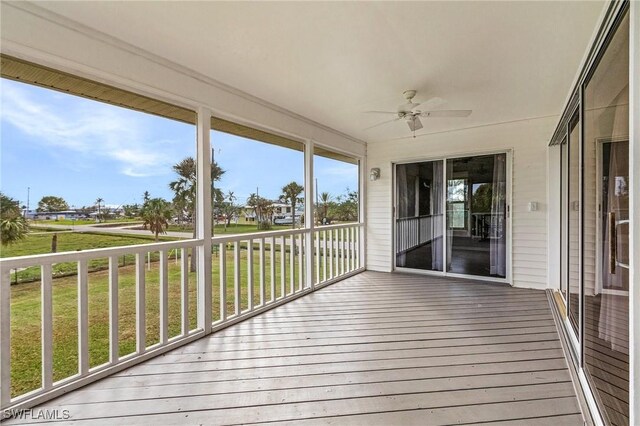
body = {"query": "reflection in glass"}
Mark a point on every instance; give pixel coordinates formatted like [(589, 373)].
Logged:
[(573, 225), (606, 207), (476, 215), (419, 215)]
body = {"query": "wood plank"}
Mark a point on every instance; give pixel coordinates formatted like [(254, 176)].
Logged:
[(121, 389), (276, 408)]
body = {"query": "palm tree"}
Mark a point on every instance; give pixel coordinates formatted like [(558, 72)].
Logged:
[(291, 193), (156, 216), (98, 202), (184, 189), (13, 226), (325, 199)]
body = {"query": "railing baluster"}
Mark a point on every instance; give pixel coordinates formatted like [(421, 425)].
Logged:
[(83, 318), (114, 340), (223, 281), (292, 260), (47, 326), (250, 273), (348, 249), (5, 337), (262, 272), (330, 253), (141, 331), (324, 255), (356, 246), (283, 266), (184, 290), (342, 250), (272, 267), (301, 258), (164, 298), (236, 277), (317, 256)]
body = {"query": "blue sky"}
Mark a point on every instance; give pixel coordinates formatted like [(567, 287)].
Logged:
[(78, 149)]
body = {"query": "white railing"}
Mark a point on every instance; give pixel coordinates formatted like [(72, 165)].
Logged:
[(251, 273), (412, 232)]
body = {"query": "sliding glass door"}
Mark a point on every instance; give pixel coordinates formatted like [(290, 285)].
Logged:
[(419, 215), (462, 199), (476, 215), (595, 225)]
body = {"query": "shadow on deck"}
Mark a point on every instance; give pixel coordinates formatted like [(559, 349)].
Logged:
[(375, 348)]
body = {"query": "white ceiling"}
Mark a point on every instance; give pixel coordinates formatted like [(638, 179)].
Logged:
[(330, 61)]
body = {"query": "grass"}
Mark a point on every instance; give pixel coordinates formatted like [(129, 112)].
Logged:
[(240, 228), (70, 241), (26, 321)]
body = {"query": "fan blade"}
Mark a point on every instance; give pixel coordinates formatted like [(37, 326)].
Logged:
[(414, 124), (408, 107), (380, 124), (380, 112), (432, 103), (446, 113)]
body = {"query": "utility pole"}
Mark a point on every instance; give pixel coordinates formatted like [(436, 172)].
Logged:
[(317, 203), (28, 193)]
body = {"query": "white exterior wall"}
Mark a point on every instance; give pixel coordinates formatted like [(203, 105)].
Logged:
[(527, 141), (34, 34)]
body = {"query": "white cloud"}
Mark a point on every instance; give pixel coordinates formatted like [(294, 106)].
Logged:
[(87, 131)]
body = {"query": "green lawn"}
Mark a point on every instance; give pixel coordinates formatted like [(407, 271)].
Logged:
[(26, 326)]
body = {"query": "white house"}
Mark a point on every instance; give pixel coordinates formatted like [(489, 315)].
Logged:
[(491, 277)]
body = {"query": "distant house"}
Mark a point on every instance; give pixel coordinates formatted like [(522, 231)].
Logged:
[(280, 210), (59, 215)]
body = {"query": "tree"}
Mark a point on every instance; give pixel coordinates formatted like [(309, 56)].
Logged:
[(13, 226), (156, 216), (325, 199), (184, 189), (346, 207), (146, 197), (291, 194), (263, 210), (51, 203), (98, 202), (226, 206), (131, 210)]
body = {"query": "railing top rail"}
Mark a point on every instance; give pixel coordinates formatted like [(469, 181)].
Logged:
[(257, 235), (74, 256), (419, 217), (338, 226)]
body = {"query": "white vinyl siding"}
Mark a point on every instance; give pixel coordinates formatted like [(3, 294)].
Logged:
[(527, 141)]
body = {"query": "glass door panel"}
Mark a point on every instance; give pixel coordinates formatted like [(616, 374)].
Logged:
[(476, 215), (606, 229), (418, 215)]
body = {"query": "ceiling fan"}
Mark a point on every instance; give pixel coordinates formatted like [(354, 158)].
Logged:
[(411, 113)]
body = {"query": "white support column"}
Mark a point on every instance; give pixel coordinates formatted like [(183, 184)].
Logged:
[(46, 306), (634, 212), (203, 218), (309, 224), (363, 176)]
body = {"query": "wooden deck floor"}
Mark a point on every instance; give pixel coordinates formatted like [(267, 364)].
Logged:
[(376, 348)]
